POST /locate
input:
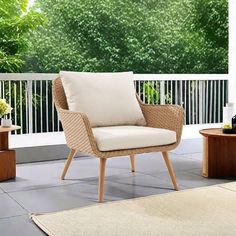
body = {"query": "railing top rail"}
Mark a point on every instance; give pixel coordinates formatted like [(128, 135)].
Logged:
[(167, 77), (27, 76), (137, 77)]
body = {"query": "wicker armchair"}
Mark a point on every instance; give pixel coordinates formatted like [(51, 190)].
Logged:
[(79, 135)]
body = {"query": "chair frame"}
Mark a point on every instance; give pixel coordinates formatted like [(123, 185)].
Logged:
[(79, 135)]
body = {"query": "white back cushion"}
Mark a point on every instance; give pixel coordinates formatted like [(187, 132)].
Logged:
[(108, 99)]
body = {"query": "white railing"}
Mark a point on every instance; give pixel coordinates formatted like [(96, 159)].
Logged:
[(202, 96)]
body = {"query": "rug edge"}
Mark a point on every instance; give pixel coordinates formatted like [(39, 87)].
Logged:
[(130, 199), (36, 220)]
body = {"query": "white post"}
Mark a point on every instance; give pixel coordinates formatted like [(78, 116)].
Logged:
[(232, 51), (30, 106), (162, 92)]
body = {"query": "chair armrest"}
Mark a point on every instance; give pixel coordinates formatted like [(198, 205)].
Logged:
[(78, 131), (164, 116)]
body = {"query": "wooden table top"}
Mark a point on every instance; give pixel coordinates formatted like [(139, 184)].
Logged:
[(12, 128), (215, 132)]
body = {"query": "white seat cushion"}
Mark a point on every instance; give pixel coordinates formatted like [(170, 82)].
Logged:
[(128, 137), (107, 99)]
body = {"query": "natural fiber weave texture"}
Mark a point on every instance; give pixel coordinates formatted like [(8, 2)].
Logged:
[(79, 135), (207, 211)]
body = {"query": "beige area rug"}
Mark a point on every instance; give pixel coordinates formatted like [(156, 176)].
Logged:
[(203, 211)]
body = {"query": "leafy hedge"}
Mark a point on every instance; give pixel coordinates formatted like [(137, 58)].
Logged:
[(15, 24), (145, 36)]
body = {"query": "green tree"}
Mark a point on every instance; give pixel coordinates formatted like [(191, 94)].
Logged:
[(211, 19), (16, 21), (145, 36)]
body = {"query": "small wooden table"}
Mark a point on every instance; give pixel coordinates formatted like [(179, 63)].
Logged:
[(7, 157), (219, 152)]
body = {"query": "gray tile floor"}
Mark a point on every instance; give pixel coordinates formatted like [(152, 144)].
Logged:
[(38, 187)]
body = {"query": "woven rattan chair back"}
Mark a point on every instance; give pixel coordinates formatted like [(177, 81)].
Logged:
[(59, 94)]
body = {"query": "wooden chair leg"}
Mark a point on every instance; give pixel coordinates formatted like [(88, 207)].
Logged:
[(102, 168), (170, 169), (132, 162), (68, 161)]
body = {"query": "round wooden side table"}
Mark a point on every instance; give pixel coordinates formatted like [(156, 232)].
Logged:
[(219, 153), (7, 156)]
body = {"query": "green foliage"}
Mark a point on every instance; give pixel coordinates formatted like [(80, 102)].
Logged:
[(145, 36), (211, 19), (152, 93), (16, 21)]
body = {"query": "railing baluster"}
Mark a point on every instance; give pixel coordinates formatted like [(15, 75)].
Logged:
[(153, 102), (211, 100), (53, 117), (41, 106), (21, 108), (157, 89), (176, 92), (162, 92), (201, 102), (185, 99), (189, 102), (193, 102), (30, 106), (204, 101), (196, 102), (219, 103), (47, 108), (207, 100), (9, 95), (144, 97), (226, 92), (167, 89), (26, 109), (15, 107), (139, 90), (214, 102), (35, 107), (181, 93), (3, 88)]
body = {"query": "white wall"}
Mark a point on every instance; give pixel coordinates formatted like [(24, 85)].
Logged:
[(232, 51)]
